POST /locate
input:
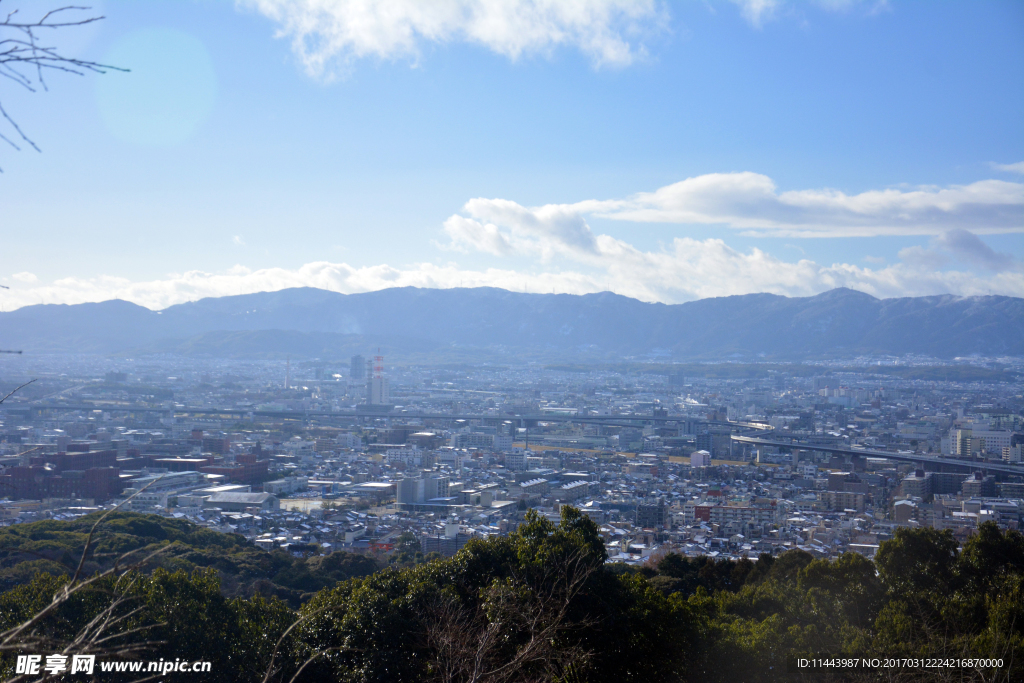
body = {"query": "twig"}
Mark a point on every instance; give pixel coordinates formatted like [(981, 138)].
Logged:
[(16, 389)]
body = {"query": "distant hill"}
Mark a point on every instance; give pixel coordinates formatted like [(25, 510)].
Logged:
[(307, 322)]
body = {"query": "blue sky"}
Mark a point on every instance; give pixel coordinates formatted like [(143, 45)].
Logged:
[(663, 150)]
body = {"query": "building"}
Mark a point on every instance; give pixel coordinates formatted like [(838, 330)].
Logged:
[(411, 457), (409, 491), (448, 544), (516, 461), (917, 484), (240, 502), (1010, 489), (742, 514), (631, 439), (245, 470), (378, 391), (350, 441), (147, 501), (417, 490), (1014, 451), (700, 458), (960, 443), (992, 441), (286, 485), (843, 500), (904, 511), (532, 487), (435, 487), (76, 474), (979, 486), (945, 482), (471, 440), (357, 369), (572, 491), (652, 516)]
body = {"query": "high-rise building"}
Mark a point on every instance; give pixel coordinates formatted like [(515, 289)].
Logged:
[(435, 487), (357, 370), (705, 441), (960, 443), (409, 491), (1014, 452), (917, 484), (378, 391)]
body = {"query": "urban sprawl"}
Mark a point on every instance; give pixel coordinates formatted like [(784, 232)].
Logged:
[(313, 457)]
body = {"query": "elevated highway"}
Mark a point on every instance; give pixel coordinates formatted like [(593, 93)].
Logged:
[(928, 462), (37, 409)]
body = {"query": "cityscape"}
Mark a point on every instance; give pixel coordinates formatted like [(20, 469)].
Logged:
[(730, 460), (512, 341)]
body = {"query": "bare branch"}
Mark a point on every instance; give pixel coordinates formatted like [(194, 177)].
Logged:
[(16, 388), (24, 60), (305, 617), (92, 531)]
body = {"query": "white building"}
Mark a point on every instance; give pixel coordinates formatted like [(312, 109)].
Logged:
[(286, 485), (516, 461), (1014, 453), (350, 441), (378, 391), (148, 501), (412, 456), (700, 459)]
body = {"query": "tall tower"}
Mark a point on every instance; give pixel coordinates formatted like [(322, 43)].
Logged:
[(288, 374), (378, 392)]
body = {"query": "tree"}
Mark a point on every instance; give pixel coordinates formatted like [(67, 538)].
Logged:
[(990, 554), (26, 58), (917, 560)]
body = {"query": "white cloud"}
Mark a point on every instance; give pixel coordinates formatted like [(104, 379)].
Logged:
[(238, 241), (338, 277), (570, 257), (684, 270), (25, 277), (327, 34), (750, 202), (969, 248), (1011, 168), (756, 12), (962, 246), (923, 257)]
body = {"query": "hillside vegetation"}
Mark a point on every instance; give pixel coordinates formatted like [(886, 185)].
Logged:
[(542, 605), (242, 569)]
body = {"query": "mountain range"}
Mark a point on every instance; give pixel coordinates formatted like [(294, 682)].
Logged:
[(306, 322)]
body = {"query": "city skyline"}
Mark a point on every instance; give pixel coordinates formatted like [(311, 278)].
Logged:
[(663, 151)]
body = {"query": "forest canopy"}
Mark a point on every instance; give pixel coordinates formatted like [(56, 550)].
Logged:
[(541, 604)]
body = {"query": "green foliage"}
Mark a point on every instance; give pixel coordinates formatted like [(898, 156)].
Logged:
[(56, 548), (918, 559), (542, 604)]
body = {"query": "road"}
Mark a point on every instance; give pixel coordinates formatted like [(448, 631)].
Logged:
[(947, 463)]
